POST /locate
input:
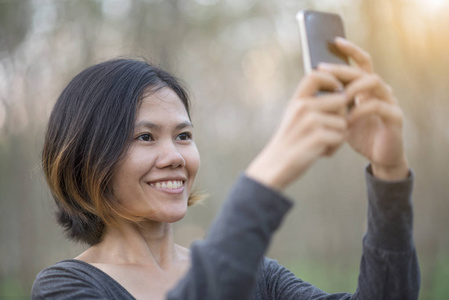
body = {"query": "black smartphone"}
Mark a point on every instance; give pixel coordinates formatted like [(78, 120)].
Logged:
[(318, 31)]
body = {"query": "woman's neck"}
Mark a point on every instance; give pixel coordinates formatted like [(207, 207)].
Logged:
[(149, 244)]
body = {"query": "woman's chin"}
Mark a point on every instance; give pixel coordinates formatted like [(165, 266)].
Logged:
[(175, 218), (172, 216)]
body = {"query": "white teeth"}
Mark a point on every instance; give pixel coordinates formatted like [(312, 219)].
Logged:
[(172, 185)]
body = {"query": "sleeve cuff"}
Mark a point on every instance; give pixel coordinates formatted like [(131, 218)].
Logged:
[(390, 213)]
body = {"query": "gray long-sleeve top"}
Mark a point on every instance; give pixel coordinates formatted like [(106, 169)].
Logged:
[(229, 262)]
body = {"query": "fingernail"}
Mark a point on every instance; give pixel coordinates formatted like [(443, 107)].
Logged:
[(339, 90), (325, 66), (341, 40)]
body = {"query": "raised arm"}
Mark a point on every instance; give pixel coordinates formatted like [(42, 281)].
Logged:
[(389, 266)]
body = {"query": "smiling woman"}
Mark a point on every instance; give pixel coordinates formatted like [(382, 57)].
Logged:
[(80, 162), (121, 162)]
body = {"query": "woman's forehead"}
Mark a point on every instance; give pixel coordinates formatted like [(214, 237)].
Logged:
[(161, 105)]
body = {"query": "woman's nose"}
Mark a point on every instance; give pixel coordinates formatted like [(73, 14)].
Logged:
[(170, 156)]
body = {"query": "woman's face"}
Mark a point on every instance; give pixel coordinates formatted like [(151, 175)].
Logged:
[(156, 177)]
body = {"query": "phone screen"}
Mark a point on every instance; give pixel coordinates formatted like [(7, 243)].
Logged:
[(318, 31)]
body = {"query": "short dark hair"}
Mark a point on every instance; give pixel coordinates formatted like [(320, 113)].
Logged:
[(89, 132)]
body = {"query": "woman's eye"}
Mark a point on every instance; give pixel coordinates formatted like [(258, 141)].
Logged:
[(145, 137), (184, 136)]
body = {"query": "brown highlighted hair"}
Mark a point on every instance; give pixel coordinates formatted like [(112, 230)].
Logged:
[(88, 133)]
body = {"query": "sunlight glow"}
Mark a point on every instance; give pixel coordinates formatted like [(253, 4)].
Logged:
[(432, 6)]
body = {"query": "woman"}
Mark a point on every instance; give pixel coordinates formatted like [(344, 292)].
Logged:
[(121, 162)]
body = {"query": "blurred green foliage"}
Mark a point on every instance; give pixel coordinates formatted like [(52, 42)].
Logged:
[(12, 288)]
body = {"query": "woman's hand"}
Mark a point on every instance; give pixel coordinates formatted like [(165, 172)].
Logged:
[(376, 121), (311, 127)]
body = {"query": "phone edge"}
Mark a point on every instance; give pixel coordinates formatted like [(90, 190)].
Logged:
[(304, 42)]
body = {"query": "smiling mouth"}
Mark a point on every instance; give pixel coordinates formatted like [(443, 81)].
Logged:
[(168, 184)]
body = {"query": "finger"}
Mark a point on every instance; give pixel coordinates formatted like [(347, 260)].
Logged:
[(318, 121), (329, 103), (335, 103), (370, 83), (361, 98), (316, 81), (327, 141), (389, 88), (343, 73), (389, 113), (360, 56), (307, 112)]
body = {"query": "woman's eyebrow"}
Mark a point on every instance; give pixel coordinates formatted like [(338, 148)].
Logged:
[(147, 124), (184, 125), (150, 125)]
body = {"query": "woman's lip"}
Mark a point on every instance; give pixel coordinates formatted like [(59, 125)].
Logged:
[(167, 179), (170, 191)]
